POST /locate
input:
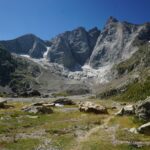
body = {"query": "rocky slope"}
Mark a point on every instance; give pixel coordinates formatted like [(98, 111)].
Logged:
[(116, 42), (132, 77)]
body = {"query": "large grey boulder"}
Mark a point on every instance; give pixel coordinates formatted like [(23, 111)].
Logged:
[(142, 109), (38, 108), (90, 107)]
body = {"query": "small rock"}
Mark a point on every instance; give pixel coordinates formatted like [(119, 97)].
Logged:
[(133, 130), (32, 117)]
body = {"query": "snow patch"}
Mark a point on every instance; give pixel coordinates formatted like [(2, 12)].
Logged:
[(26, 56), (46, 53), (87, 72)]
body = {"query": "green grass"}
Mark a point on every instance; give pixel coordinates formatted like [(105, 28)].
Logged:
[(62, 128), (23, 144), (60, 94), (96, 145), (141, 57), (135, 92)]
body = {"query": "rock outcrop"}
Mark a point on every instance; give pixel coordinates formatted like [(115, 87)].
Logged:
[(126, 110), (90, 107), (38, 108), (142, 109)]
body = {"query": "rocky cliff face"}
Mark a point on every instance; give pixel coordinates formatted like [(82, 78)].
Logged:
[(115, 43), (73, 48)]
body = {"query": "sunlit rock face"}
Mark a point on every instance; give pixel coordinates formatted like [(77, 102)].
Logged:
[(115, 43)]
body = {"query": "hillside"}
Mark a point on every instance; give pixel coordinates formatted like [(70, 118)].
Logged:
[(134, 75)]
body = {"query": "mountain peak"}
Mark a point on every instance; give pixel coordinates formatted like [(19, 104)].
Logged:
[(111, 19), (29, 35), (93, 29)]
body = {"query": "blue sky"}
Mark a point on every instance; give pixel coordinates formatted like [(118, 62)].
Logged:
[(47, 18)]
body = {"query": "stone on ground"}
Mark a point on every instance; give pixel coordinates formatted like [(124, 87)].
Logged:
[(93, 108)]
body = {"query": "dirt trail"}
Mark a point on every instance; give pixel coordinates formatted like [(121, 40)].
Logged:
[(86, 137), (107, 129)]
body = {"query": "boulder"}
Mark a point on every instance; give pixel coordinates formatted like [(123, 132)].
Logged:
[(2, 103), (145, 128), (64, 101), (93, 108), (38, 109), (142, 109), (127, 110)]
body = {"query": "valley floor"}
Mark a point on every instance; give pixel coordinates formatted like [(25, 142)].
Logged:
[(68, 129)]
